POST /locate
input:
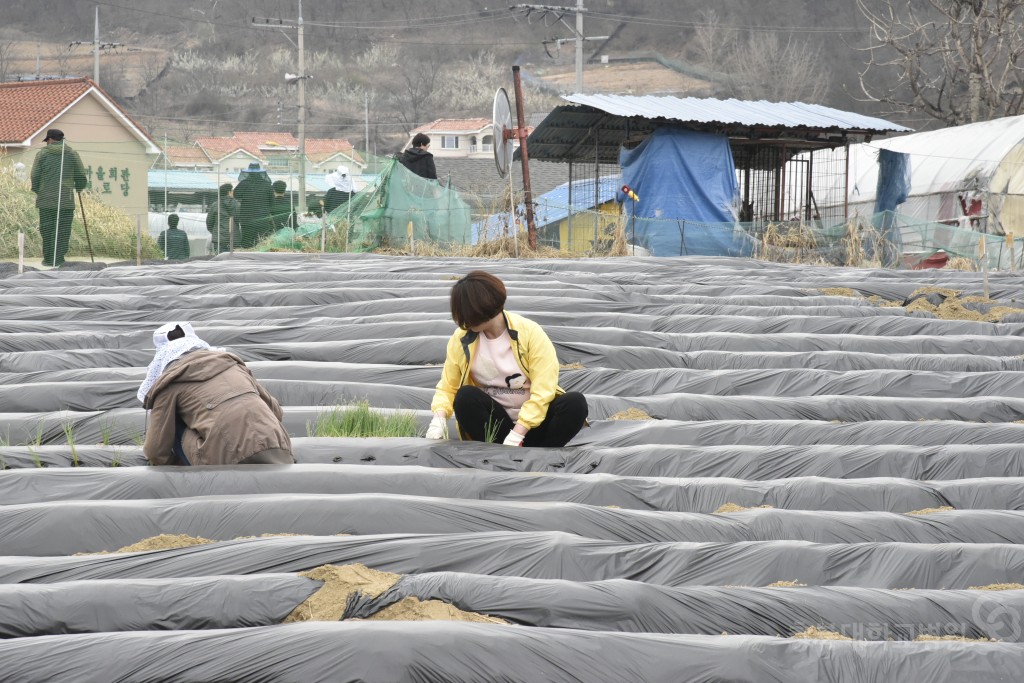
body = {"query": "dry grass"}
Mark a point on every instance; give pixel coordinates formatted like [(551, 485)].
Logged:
[(571, 366), (112, 232), (961, 263), (998, 587), (953, 308), (814, 633), (884, 303), (924, 638), (930, 511), (786, 584), (733, 507)]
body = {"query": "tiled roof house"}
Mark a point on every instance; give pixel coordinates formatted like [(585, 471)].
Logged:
[(115, 149)]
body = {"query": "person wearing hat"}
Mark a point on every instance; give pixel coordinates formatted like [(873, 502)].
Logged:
[(340, 191), (206, 408), (57, 173), (255, 195)]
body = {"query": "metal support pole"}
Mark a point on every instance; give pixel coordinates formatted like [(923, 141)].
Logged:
[(302, 118), (531, 227), (96, 49), (579, 46)]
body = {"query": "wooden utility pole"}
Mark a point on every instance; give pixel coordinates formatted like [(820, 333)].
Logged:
[(531, 226), (300, 79)]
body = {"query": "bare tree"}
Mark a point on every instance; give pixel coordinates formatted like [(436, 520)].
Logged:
[(957, 61), (765, 67), (6, 58), (711, 42)]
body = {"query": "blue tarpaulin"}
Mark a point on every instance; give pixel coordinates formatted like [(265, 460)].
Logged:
[(686, 184)]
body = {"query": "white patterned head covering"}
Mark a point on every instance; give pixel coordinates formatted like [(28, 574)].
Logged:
[(340, 179), (168, 351)]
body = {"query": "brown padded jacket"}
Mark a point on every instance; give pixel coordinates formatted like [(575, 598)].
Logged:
[(227, 415)]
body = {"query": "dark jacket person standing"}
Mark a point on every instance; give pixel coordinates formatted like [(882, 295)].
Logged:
[(173, 241), (255, 195), (57, 174), (417, 159)]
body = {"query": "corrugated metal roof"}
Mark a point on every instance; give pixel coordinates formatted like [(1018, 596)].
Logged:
[(743, 112), (593, 128), (553, 206)]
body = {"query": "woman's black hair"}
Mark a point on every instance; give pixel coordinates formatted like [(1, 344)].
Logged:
[(476, 298)]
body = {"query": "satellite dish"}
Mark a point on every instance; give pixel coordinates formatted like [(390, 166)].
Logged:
[(502, 124)]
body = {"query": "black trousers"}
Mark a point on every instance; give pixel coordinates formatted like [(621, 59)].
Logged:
[(50, 226), (480, 416)]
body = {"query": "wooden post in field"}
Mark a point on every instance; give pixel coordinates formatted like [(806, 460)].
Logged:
[(138, 240), (323, 229), (983, 250), (412, 239), (21, 252), (1013, 249)]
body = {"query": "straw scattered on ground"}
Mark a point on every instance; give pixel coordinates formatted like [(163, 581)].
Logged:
[(414, 609), (953, 308), (786, 584), (924, 637), (340, 582), (630, 414), (571, 366), (815, 633), (998, 587), (840, 291), (881, 302), (733, 507), (931, 511)]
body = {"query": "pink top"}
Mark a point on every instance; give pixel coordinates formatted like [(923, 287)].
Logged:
[(495, 371)]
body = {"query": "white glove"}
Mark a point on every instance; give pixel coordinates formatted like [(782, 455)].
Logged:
[(438, 428), (514, 438)]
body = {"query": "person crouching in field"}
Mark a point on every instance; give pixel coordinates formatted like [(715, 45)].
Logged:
[(500, 376), (206, 408)]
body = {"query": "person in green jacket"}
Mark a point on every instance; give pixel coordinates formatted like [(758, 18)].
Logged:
[(173, 241), (57, 173)]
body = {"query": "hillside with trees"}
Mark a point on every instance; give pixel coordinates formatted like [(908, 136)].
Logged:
[(204, 66)]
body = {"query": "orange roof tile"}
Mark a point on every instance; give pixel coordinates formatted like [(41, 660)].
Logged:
[(255, 143), (186, 154), (26, 108), (454, 126)]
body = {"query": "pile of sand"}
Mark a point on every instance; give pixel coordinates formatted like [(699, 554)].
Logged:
[(414, 609), (814, 633), (340, 582), (630, 414), (164, 542), (840, 291), (733, 507), (929, 511)]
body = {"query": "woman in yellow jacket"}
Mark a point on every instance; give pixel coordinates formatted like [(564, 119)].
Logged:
[(500, 376)]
